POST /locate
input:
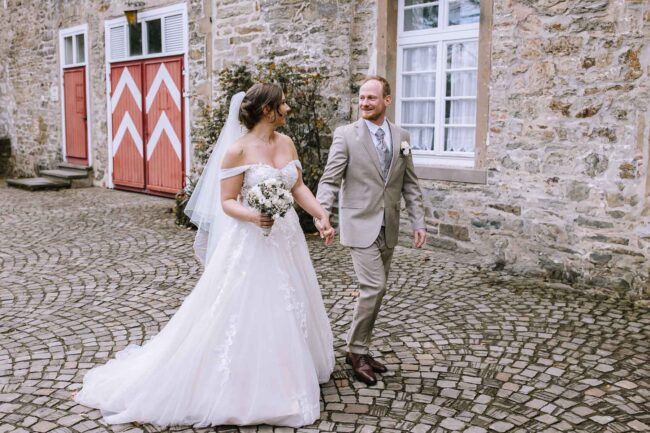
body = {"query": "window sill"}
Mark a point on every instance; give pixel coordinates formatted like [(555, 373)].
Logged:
[(451, 174)]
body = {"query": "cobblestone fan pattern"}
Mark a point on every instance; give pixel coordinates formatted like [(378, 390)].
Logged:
[(85, 272)]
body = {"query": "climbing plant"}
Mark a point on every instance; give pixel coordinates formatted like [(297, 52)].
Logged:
[(307, 124)]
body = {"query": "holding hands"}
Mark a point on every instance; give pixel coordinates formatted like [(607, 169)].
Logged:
[(325, 229)]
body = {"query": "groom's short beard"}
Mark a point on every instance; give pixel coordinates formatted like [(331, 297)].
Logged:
[(373, 116)]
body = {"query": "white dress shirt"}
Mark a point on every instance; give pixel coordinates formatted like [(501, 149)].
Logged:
[(372, 127)]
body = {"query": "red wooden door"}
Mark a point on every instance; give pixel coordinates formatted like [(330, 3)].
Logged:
[(164, 124), (74, 85), (126, 106)]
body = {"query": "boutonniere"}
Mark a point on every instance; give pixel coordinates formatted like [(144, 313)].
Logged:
[(405, 148)]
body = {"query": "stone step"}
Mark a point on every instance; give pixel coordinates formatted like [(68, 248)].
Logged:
[(39, 183), (70, 166), (64, 173)]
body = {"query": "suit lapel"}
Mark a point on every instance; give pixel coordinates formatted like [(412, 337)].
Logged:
[(363, 136), (395, 138)]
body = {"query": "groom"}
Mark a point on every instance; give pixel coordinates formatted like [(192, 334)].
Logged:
[(370, 162)]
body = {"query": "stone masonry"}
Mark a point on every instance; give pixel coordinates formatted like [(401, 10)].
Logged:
[(331, 35), (567, 154), (31, 110), (567, 193)]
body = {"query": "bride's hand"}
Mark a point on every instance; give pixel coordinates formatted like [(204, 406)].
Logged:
[(325, 230), (261, 220)]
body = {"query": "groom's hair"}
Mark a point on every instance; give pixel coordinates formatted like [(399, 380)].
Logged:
[(384, 83)]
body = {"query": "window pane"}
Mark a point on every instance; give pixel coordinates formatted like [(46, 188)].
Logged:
[(419, 85), (460, 111), (459, 139), (418, 2), (461, 83), (421, 138), (81, 50), (464, 12), (420, 18), (154, 37), (67, 47), (420, 59), (462, 55), (135, 39), (418, 112)]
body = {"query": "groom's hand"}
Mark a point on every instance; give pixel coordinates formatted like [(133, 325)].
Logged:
[(419, 238), (330, 234)]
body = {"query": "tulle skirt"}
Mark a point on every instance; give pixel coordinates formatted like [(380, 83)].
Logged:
[(249, 345)]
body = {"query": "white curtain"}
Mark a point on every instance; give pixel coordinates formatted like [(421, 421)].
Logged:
[(461, 84), (419, 81)]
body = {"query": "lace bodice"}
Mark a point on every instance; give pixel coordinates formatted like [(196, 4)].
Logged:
[(256, 173)]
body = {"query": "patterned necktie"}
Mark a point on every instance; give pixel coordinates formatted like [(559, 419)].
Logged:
[(382, 151)]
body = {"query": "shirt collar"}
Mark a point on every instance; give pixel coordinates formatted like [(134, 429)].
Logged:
[(374, 127)]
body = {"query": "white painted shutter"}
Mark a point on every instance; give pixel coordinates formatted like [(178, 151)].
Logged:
[(118, 42), (173, 33)]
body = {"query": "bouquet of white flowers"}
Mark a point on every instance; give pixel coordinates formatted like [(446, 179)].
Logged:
[(270, 197)]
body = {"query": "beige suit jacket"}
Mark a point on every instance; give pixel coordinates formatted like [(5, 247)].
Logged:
[(366, 198)]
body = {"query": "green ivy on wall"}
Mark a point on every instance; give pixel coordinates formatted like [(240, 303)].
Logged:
[(307, 124)]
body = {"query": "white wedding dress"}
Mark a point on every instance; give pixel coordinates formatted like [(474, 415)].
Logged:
[(249, 345)]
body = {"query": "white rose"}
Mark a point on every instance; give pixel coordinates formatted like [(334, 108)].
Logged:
[(405, 148)]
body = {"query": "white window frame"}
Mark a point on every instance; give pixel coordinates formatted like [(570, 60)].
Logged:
[(143, 16), (180, 8), (441, 37), (64, 33)]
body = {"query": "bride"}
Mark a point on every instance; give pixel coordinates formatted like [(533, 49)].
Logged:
[(252, 341)]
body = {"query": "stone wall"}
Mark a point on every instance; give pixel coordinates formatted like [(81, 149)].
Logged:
[(221, 33), (7, 101), (312, 33), (28, 77), (32, 106), (567, 187), (567, 154), (568, 142)]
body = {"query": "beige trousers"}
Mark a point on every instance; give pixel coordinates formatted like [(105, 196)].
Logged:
[(371, 266)]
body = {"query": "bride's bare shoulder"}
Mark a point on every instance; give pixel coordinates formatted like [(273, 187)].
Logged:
[(287, 144), (235, 154), (283, 138)]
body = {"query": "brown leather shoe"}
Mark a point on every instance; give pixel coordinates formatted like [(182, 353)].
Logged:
[(377, 366), (361, 368)]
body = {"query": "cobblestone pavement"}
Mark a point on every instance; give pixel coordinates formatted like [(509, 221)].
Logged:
[(85, 272)]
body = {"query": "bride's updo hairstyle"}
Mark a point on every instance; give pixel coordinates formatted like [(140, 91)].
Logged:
[(260, 95)]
